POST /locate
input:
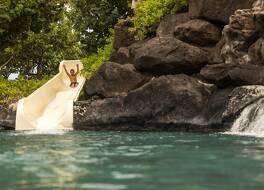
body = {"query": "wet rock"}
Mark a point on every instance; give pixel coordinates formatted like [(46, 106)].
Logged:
[(217, 10), (169, 22), (240, 98), (167, 55), (123, 37), (224, 75), (198, 32), (113, 80)]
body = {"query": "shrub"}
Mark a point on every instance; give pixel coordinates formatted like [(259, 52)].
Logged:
[(12, 90), (148, 14)]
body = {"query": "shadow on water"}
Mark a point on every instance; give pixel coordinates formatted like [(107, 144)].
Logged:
[(116, 160)]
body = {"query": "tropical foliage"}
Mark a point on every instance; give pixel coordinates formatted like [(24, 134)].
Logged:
[(148, 14), (11, 91), (34, 36)]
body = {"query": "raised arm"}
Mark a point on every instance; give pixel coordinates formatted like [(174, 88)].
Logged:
[(78, 69), (64, 66)]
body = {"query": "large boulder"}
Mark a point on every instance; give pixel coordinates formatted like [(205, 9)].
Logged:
[(198, 32), (107, 112), (122, 56), (240, 98), (179, 95), (217, 10), (125, 55), (113, 80), (123, 37), (169, 22), (234, 74), (218, 74), (212, 113), (167, 55), (256, 52), (168, 101)]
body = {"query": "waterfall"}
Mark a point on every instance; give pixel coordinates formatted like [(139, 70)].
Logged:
[(251, 120)]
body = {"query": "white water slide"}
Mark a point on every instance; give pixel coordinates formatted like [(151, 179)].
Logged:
[(51, 106)]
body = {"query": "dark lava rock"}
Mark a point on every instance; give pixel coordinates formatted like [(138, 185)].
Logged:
[(224, 75), (125, 55), (8, 117), (216, 10), (218, 74), (3, 113), (240, 98), (215, 53), (169, 99), (173, 102), (256, 52), (122, 56), (113, 80), (167, 55), (94, 113), (169, 22), (244, 29), (123, 37), (212, 113), (198, 32)]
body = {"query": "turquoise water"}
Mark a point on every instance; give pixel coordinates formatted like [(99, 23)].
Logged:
[(134, 161)]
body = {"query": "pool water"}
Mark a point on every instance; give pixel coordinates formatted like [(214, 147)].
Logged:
[(134, 161)]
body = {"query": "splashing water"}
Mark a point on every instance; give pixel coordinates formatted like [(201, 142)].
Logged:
[(251, 121)]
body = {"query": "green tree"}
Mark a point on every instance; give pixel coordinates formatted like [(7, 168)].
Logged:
[(148, 14), (94, 18), (35, 35), (40, 53)]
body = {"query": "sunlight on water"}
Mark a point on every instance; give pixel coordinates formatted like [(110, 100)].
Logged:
[(46, 131)]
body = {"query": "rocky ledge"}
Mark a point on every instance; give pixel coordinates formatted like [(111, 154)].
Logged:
[(198, 74)]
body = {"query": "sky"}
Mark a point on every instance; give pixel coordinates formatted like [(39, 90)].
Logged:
[(13, 76)]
